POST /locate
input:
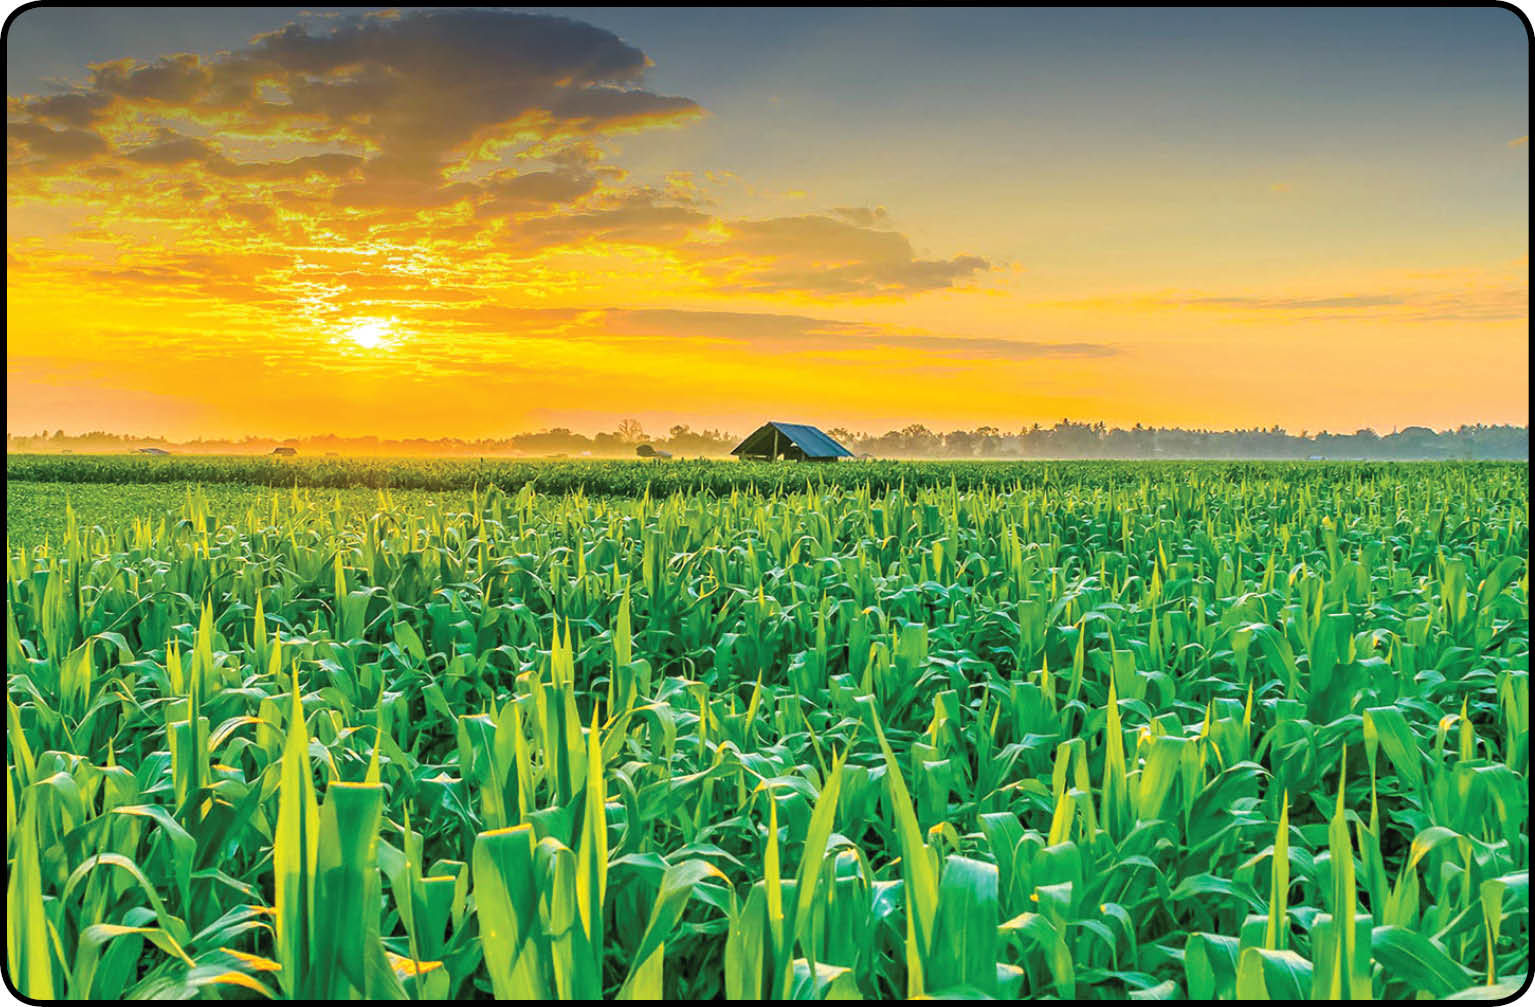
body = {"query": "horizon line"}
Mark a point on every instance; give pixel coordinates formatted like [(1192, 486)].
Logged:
[(1275, 429)]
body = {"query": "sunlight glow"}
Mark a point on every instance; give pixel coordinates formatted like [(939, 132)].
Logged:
[(372, 334)]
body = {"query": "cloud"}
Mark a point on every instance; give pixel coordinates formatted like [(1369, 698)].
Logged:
[(1300, 303), (1483, 300), (783, 333), (513, 192), (79, 110), (441, 162), (54, 147), (829, 255), (416, 90), (816, 256), (172, 149), (862, 216)]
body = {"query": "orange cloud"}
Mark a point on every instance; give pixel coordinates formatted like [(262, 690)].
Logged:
[(477, 130)]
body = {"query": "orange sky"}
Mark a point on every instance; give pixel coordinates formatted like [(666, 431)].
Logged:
[(469, 224)]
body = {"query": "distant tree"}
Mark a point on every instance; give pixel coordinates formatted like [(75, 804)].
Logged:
[(1067, 439), (917, 440), (843, 436), (960, 443)]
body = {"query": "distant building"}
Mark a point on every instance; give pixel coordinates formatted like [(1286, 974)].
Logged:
[(284, 451), (793, 441), (646, 451), (153, 451)]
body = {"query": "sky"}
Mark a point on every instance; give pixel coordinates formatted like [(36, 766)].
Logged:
[(430, 222)]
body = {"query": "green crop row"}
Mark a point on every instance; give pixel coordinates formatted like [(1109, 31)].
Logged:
[(39, 512), (663, 478), (1155, 733)]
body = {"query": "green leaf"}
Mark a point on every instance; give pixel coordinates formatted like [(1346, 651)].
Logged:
[(677, 883), (506, 904), (964, 948), (1418, 961)]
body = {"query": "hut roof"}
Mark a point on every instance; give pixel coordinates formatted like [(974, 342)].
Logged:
[(810, 440)]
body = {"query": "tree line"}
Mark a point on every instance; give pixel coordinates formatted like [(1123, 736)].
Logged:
[(1066, 439)]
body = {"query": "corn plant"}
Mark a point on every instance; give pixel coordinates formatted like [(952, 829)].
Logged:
[(1077, 730)]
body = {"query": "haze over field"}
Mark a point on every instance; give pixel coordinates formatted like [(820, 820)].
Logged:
[(913, 441), (472, 223)]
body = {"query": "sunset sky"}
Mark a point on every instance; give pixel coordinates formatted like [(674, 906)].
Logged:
[(470, 223)]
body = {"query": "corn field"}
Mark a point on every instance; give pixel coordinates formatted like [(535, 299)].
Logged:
[(1226, 735)]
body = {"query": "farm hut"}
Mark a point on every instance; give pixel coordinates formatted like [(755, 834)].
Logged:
[(285, 451), (794, 441), (153, 451), (647, 451)]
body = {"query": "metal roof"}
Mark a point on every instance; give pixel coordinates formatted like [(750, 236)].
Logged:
[(808, 439)]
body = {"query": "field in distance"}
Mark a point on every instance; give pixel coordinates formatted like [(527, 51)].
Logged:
[(623, 477), (110, 490), (1072, 729)]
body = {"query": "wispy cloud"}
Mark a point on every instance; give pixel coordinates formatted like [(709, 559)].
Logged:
[(1300, 303), (1473, 303), (781, 333)]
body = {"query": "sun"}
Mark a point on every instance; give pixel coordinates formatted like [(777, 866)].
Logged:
[(372, 334)]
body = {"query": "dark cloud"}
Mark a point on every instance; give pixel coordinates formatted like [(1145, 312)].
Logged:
[(180, 79), (416, 88), (77, 109), (473, 45), (511, 192), (598, 108), (831, 255), (172, 150), (429, 82), (53, 146)]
